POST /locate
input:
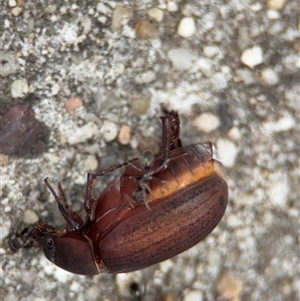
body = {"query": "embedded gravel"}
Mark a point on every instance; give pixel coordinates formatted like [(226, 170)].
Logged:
[(238, 64)]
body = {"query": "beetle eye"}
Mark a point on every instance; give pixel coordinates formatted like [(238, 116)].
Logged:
[(49, 247)]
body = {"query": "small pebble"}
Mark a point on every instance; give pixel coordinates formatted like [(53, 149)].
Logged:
[(234, 134), (109, 130), (269, 76), (72, 105), (252, 57), (172, 6), (92, 293), (218, 81), (145, 78), (30, 217), (16, 11), (12, 3), (186, 27), (256, 7), (55, 89), (139, 104), (211, 51), (145, 30), (229, 287), (19, 88), (21, 3), (120, 17), (246, 76), (124, 136), (31, 37), (181, 58), (82, 134), (234, 221), (278, 189), (227, 151), (193, 296), (207, 122), (273, 14), (166, 265), (285, 123), (276, 4), (103, 9), (3, 160), (205, 66), (8, 64), (90, 163), (156, 14)]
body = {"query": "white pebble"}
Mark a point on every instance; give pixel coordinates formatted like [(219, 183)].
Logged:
[(90, 163), (205, 66), (193, 296), (12, 3), (102, 8), (207, 122), (218, 81), (69, 33), (211, 51), (186, 27), (92, 293), (30, 217), (269, 76), (252, 57), (172, 6), (278, 189), (109, 130), (276, 4), (16, 11), (256, 7), (283, 124), (273, 14), (234, 221), (121, 15), (82, 134), (19, 88), (166, 265), (5, 229), (227, 151), (55, 89), (145, 78), (246, 76), (234, 134), (156, 13), (181, 58), (75, 287)]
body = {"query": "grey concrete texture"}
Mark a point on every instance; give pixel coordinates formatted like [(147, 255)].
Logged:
[(231, 71)]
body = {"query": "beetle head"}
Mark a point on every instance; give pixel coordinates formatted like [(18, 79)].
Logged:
[(69, 250)]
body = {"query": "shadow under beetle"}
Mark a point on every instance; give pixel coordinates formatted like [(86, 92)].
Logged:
[(159, 207)]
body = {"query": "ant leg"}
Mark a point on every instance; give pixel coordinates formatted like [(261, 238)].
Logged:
[(73, 222)]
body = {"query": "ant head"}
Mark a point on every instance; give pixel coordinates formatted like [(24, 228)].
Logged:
[(146, 159)]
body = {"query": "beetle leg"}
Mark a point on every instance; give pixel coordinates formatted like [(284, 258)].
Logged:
[(73, 222), (89, 201)]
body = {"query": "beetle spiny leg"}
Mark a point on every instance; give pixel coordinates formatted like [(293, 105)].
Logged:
[(71, 222)]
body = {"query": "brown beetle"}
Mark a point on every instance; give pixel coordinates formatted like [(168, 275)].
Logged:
[(158, 208)]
